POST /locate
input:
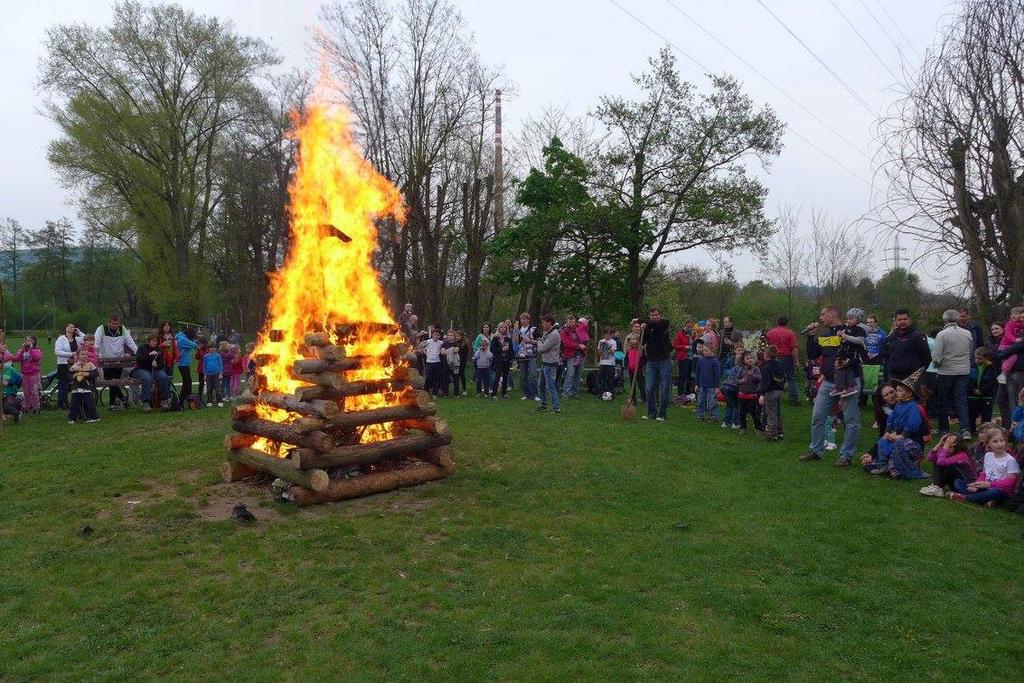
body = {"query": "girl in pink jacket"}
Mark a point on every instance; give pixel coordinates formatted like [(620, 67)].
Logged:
[(998, 477), (950, 461), (31, 359)]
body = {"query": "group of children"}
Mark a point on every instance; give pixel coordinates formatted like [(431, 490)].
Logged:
[(986, 473), (222, 369), (748, 389)]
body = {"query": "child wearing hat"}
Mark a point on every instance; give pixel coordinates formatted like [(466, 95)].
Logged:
[(898, 451), (852, 347)]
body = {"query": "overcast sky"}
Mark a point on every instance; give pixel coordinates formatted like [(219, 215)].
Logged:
[(568, 53)]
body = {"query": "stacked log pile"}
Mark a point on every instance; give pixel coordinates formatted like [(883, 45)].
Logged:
[(319, 444)]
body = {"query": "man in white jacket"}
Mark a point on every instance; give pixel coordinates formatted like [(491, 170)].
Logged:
[(952, 353), (113, 342)]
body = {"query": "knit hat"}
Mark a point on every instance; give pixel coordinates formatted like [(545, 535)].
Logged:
[(857, 313)]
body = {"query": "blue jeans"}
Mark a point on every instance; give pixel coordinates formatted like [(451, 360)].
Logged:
[(528, 377), (146, 377), (707, 402), (981, 497), (658, 379), (823, 404), (483, 380), (548, 385), (732, 404), (790, 368), (953, 389), (571, 381)]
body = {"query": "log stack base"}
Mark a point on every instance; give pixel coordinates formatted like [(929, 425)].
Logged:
[(317, 446)]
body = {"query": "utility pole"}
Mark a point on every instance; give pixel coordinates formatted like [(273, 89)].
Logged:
[(499, 172)]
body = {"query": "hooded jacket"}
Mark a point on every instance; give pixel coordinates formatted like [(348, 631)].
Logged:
[(31, 360), (549, 347), (112, 344), (186, 348)]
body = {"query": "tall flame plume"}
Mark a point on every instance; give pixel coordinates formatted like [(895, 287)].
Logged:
[(328, 277)]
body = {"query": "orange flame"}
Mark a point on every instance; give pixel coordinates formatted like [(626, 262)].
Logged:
[(328, 277)]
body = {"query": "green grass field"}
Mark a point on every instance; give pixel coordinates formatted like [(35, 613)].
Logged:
[(565, 547)]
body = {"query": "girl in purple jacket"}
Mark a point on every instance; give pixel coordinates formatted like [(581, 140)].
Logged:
[(31, 358)]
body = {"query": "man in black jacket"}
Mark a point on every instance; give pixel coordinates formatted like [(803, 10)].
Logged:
[(905, 350), (658, 372), (833, 333)]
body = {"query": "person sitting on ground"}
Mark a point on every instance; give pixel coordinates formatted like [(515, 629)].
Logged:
[(998, 479), (950, 461), (150, 367), (82, 375), (709, 376), (898, 452)]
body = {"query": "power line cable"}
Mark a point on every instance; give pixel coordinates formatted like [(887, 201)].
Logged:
[(895, 43), (789, 129), (897, 26), (832, 71), (858, 148), (865, 41)]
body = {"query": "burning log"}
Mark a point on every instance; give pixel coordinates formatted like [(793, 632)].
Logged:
[(243, 411), (365, 328), (236, 440), (232, 471), (284, 433), (379, 415), (330, 352), (317, 339), (368, 484), (309, 366), (262, 359), (328, 380), (429, 425), (358, 388), (316, 480), (315, 408), (276, 335), (366, 453)]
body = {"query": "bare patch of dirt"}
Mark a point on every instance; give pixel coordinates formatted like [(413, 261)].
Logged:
[(215, 503)]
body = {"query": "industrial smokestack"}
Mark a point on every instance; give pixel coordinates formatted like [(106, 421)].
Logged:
[(499, 171)]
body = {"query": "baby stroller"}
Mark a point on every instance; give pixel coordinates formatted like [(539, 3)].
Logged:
[(48, 390)]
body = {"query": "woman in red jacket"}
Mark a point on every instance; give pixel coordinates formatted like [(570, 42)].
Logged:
[(681, 344)]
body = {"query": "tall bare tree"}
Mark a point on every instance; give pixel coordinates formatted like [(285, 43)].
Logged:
[(956, 151), (784, 259)]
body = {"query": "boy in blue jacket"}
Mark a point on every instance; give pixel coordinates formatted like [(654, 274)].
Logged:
[(213, 368), (709, 374)]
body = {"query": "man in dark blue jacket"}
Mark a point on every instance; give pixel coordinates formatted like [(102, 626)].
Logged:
[(831, 334)]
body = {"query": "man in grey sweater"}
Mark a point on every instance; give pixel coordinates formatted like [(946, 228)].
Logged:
[(550, 349), (952, 357)]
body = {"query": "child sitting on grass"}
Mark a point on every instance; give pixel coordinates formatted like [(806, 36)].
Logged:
[(998, 479), (898, 450), (950, 461), (82, 378)]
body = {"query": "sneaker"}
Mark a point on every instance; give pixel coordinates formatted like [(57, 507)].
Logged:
[(522, 398), (221, 404), (878, 470), (829, 446), (852, 391), (956, 497), (209, 405), (91, 421), (779, 437), (557, 411), (991, 505), (645, 417), (842, 462), (734, 426), (932, 490), (537, 399), (659, 419), (809, 456), (71, 422), (725, 426)]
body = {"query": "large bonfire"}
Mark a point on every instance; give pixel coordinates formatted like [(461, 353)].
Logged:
[(328, 278)]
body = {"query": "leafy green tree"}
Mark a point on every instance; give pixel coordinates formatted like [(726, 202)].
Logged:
[(142, 106), (50, 273), (898, 289), (675, 167)]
